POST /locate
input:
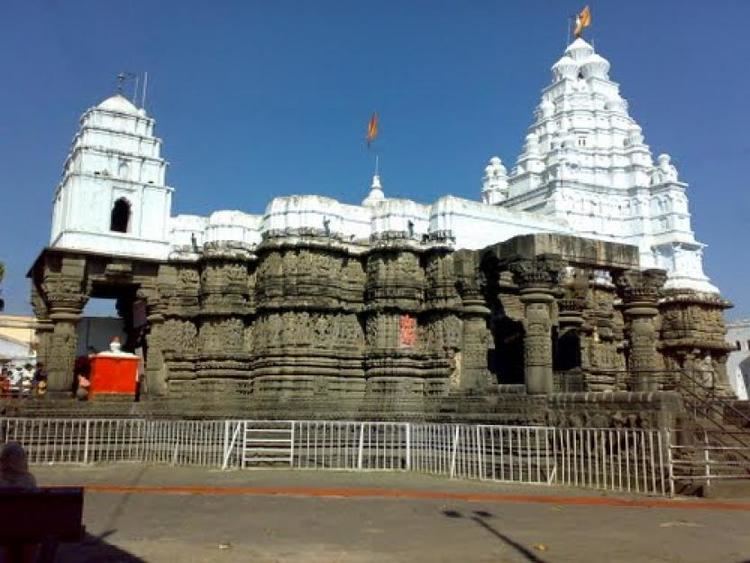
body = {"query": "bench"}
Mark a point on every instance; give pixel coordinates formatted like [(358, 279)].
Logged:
[(49, 514)]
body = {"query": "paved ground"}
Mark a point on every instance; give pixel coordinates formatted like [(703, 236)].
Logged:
[(152, 513)]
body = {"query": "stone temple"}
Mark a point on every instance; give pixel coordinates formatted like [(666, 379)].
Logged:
[(575, 278)]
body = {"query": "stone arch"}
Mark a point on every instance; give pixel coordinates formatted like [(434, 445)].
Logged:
[(120, 217)]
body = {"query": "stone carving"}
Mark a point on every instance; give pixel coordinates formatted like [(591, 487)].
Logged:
[(542, 272), (664, 171), (401, 319), (180, 336), (249, 337), (222, 335)]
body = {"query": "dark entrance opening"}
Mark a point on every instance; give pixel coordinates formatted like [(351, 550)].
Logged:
[(120, 218), (506, 361), (568, 351)]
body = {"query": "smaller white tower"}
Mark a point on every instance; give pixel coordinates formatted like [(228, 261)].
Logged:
[(495, 182), (376, 194), (112, 197)]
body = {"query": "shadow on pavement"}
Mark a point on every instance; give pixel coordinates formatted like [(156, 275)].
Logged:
[(480, 517), (94, 550)]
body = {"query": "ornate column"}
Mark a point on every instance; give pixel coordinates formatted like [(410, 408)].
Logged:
[(155, 372), (43, 326), (536, 279), (570, 317), (640, 294), (64, 290), (474, 374)]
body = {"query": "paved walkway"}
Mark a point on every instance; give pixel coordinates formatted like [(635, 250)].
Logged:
[(157, 513)]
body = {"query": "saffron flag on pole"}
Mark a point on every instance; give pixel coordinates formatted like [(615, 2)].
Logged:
[(583, 20), (372, 129)]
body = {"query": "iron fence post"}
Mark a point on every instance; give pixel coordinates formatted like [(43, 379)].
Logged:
[(408, 446), (86, 443)]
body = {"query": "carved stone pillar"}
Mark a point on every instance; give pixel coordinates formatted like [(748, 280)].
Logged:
[(155, 372), (640, 294), (536, 279), (474, 373), (693, 334), (63, 289), (43, 326), (62, 350), (570, 318)]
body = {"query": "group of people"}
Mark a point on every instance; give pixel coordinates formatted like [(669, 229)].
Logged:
[(23, 381)]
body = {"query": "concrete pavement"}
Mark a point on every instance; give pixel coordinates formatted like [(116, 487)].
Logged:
[(158, 513)]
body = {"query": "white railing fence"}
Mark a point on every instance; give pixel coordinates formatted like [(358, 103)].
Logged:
[(618, 460), (703, 456)]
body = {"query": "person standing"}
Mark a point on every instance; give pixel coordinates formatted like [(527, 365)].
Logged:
[(40, 380), (82, 374)]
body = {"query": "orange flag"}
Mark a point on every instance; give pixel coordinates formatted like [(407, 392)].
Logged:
[(372, 129), (583, 20)]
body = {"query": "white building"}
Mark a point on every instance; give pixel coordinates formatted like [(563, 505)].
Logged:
[(584, 169), (738, 362)]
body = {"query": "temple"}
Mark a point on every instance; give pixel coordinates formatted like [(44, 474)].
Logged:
[(576, 272)]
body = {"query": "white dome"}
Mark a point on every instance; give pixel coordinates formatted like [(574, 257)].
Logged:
[(595, 66), (118, 103), (579, 50), (565, 68)]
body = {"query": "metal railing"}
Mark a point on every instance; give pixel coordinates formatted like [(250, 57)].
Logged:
[(709, 455), (608, 459)]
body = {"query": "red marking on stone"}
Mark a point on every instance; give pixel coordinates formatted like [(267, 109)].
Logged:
[(333, 492)]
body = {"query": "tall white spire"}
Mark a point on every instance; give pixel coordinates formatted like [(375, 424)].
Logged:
[(585, 161)]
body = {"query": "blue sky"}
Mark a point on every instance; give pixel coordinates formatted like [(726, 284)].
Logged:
[(257, 99)]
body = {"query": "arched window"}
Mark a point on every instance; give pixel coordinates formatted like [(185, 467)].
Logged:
[(120, 219)]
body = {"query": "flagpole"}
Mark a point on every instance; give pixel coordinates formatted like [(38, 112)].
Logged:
[(377, 163)]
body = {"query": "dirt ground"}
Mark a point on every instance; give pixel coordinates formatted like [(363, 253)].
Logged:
[(158, 513)]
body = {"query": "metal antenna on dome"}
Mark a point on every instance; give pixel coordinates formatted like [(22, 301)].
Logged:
[(143, 93)]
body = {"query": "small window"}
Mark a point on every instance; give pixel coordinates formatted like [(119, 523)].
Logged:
[(120, 218), (581, 141)]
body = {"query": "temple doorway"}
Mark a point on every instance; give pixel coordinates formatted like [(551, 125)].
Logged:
[(506, 361)]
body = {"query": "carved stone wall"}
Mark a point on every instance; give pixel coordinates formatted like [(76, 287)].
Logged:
[(392, 325)]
